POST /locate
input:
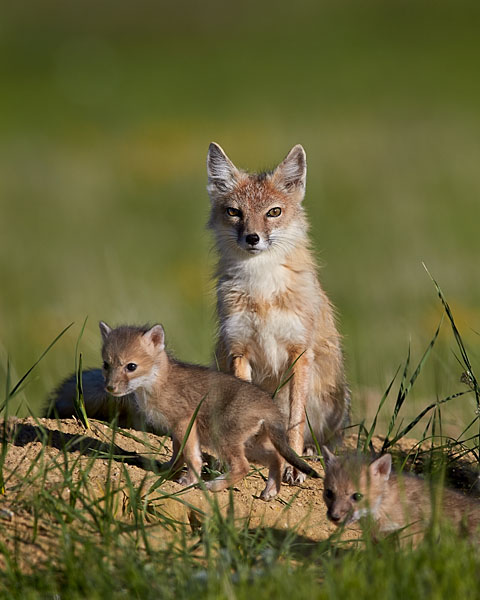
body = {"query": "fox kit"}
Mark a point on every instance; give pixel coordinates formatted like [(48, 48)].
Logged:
[(272, 310), (236, 420), (355, 490)]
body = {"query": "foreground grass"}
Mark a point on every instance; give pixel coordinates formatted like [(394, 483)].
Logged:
[(228, 564), (120, 542)]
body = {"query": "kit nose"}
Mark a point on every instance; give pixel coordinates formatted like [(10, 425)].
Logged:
[(334, 517), (252, 239)]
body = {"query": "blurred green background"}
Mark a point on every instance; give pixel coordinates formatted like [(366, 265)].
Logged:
[(106, 113)]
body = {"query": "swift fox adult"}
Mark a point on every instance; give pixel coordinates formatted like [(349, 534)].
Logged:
[(272, 311), (356, 490), (236, 420)]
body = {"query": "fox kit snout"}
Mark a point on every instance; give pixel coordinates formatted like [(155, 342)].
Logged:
[(272, 311), (235, 420)]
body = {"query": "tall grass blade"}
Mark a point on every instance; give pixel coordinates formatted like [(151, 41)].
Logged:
[(77, 344), (469, 375), (371, 431), (412, 424), (190, 425), (466, 361), (16, 388), (174, 466), (406, 387), (400, 395), (79, 400), (8, 378), (3, 451), (288, 375), (314, 438)]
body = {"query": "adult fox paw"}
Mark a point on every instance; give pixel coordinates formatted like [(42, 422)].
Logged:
[(186, 480), (268, 494), (292, 476)]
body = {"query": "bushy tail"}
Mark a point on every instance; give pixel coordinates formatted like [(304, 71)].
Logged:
[(278, 437)]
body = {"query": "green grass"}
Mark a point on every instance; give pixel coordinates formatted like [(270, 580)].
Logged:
[(380, 573)]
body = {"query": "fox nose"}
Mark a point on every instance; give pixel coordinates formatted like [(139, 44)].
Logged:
[(252, 239), (110, 388), (335, 517)]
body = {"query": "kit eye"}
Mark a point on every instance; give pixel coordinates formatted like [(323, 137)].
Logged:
[(329, 494), (131, 367), (105, 365), (357, 496), (233, 212), (274, 212)]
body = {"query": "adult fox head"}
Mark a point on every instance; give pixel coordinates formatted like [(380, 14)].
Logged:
[(252, 213)]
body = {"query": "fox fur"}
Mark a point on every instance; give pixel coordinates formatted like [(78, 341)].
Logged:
[(272, 310)]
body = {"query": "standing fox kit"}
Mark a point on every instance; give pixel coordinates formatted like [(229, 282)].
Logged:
[(236, 420), (272, 310), (355, 490)]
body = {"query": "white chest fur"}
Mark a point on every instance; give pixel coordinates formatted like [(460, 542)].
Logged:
[(267, 336), (260, 277), (267, 327)]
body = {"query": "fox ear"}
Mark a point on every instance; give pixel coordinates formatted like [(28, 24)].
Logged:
[(105, 330), (382, 467), (291, 173), (220, 169), (328, 456), (156, 336)]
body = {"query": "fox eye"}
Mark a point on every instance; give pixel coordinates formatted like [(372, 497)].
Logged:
[(274, 212), (329, 494), (131, 367), (105, 365), (233, 212), (357, 496)]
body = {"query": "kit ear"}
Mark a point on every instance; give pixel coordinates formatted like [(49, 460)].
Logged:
[(156, 336), (382, 467), (105, 330), (220, 170), (291, 173), (328, 456)]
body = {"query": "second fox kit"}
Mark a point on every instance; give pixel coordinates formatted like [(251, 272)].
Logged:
[(355, 490), (272, 310), (236, 420)]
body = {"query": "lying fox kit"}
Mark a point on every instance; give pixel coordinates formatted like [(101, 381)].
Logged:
[(355, 490), (236, 420), (272, 310)]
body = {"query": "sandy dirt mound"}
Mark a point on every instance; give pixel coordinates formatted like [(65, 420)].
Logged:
[(44, 452)]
